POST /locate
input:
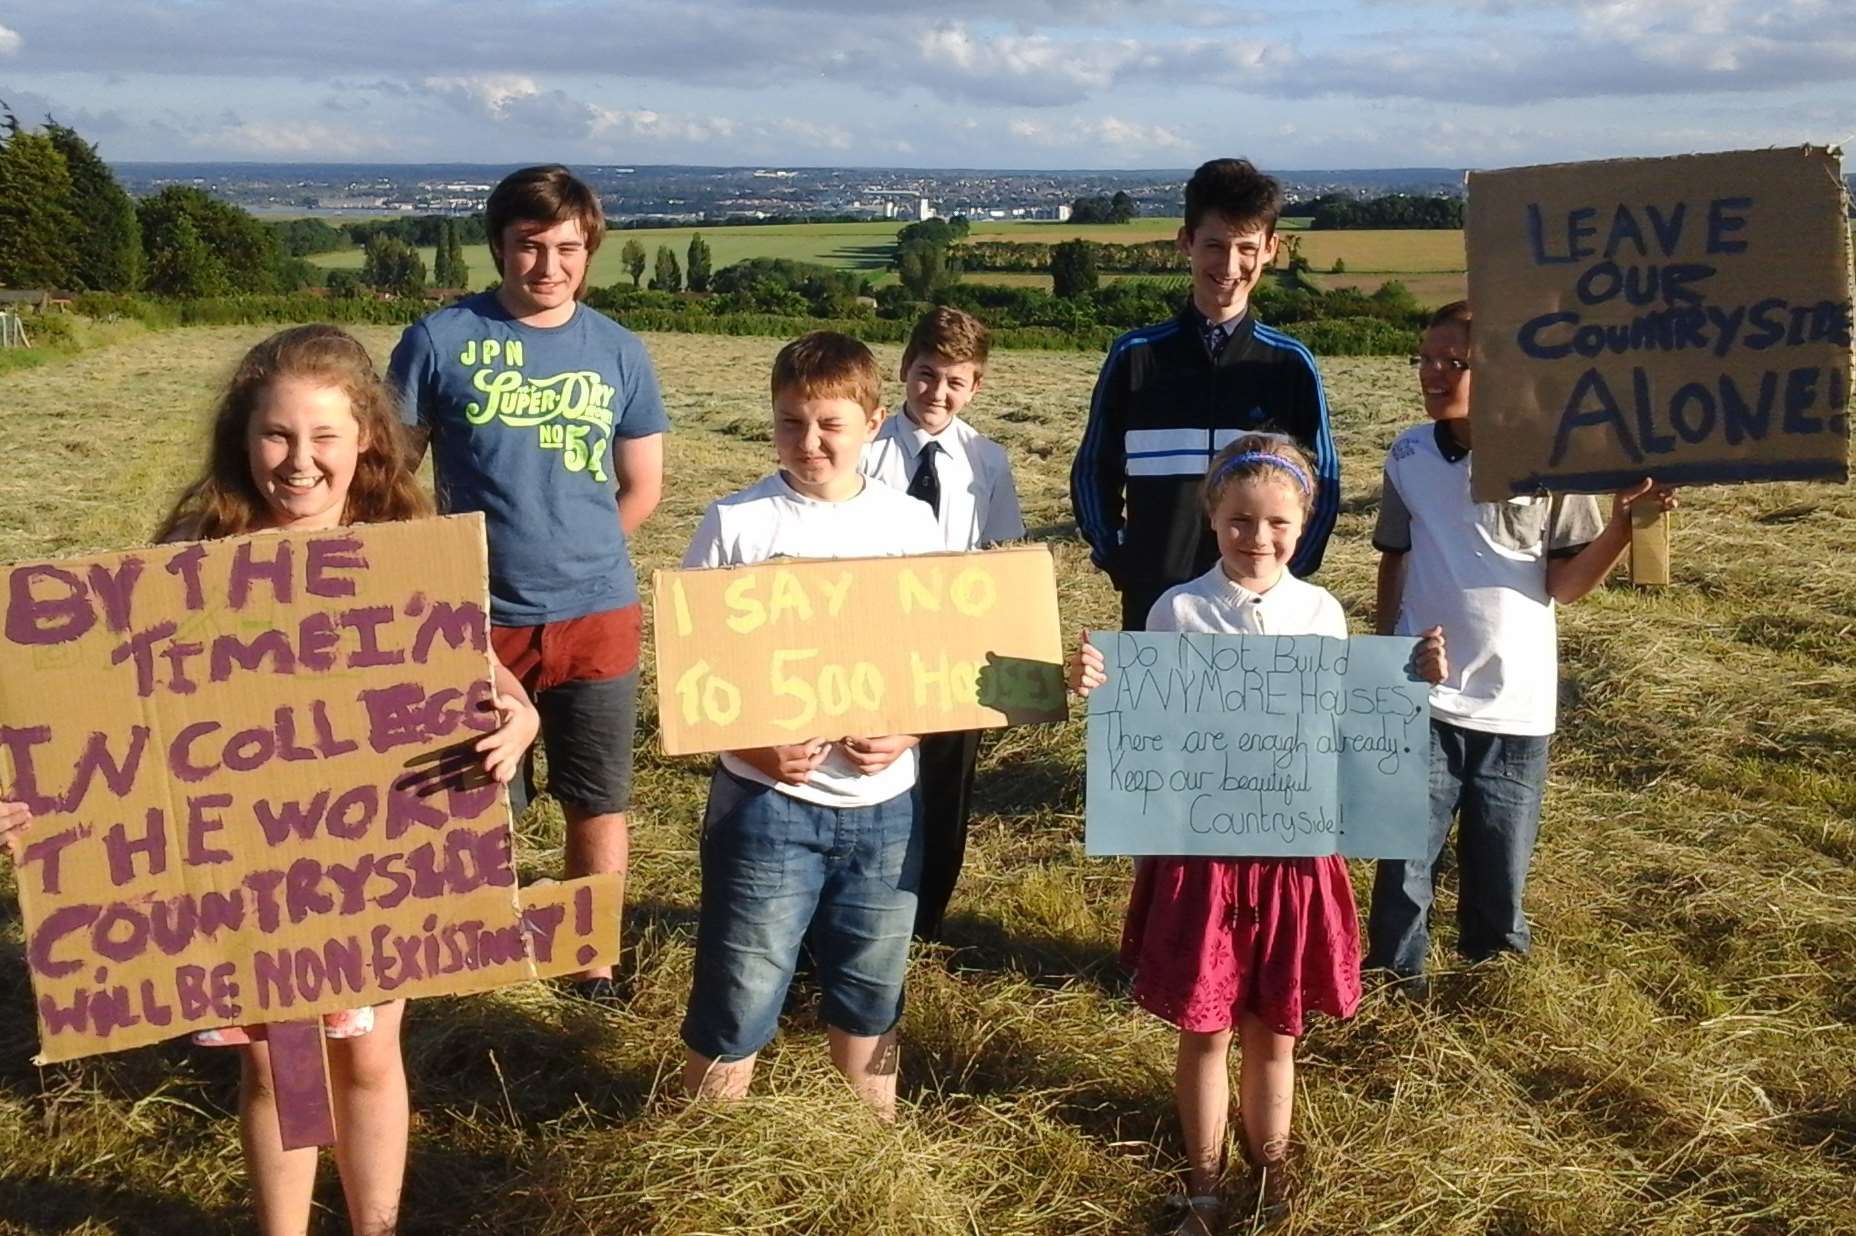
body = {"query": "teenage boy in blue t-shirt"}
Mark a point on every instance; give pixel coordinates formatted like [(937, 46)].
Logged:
[(538, 409)]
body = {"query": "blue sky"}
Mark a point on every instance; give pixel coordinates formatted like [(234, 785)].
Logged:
[(980, 83)]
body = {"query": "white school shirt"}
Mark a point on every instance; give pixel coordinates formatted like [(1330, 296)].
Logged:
[(770, 519), (1479, 571), (979, 503), (1213, 603)]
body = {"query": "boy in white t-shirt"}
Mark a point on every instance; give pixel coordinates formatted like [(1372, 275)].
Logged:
[(1490, 575), (823, 836), (933, 455)]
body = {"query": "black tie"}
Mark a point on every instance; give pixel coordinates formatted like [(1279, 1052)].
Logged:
[(925, 484), (1215, 339)]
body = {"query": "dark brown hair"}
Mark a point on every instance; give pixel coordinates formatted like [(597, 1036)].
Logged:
[(1235, 189), (547, 194), (1455, 311), (226, 501), (827, 365), (1229, 467), (951, 334)]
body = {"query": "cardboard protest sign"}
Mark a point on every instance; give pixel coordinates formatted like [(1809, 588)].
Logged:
[(1686, 319), (1269, 745), (255, 801), (782, 651)]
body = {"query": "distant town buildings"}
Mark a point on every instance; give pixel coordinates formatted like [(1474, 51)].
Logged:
[(698, 194)]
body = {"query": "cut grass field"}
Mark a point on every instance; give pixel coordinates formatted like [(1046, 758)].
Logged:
[(1678, 1056)]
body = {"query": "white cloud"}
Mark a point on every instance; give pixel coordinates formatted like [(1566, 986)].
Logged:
[(1126, 136), (811, 133), (520, 101), (10, 41), (291, 141)]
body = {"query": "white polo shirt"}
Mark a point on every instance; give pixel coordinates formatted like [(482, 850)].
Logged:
[(1479, 570), (770, 519), (1212, 602), (979, 503)]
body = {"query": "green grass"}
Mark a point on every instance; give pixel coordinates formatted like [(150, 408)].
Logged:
[(853, 246), (1678, 1057)]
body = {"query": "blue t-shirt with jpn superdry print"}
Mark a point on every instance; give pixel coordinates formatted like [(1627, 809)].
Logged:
[(522, 422)]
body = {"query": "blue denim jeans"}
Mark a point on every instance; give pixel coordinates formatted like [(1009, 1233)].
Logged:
[(1491, 784), (774, 868)]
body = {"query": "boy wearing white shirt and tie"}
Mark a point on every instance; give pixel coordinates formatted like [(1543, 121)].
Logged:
[(931, 454)]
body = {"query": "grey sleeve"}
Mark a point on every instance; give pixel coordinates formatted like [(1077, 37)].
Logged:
[(1392, 534), (1573, 522)]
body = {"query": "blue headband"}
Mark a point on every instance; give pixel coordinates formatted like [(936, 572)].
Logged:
[(1274, 460)]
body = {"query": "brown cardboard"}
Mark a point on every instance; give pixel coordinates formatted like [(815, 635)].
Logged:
[(1759, 238), (782, 651), (217, 842), (1649, 545), (300, 1082)]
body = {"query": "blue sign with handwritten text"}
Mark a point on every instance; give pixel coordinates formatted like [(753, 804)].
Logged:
[(1266, 745)]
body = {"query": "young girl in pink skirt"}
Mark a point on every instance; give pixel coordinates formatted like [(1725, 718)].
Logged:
[(1244, 945)]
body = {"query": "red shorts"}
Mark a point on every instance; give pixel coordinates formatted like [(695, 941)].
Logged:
[(603, 645), (582, 674)]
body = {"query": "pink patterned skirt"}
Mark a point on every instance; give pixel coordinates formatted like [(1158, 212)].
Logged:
[(1211, 938), (347, 1024)]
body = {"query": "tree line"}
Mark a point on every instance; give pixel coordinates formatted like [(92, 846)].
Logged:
[(1336, 211)]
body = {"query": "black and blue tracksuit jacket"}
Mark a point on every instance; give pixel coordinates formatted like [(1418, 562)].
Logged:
[(1162, 408)]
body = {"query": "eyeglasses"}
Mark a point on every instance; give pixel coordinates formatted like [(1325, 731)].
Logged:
[(1439, 362)]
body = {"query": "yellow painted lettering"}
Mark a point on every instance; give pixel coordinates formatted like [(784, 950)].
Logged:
[(801, 692), (967, 682), (512, 352), (835, 592), (749, 614), (788, 595), (491, 350), (975, 592), (915, 593), (926, 679), (681, 604)]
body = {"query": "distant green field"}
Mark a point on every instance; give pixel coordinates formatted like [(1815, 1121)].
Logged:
[(1430, 262), (851, 246), (854, 246)]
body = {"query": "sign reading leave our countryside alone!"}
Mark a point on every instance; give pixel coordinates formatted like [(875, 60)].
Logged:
[(791, 649), (1276, 746), (248, 762), (1686, 319)]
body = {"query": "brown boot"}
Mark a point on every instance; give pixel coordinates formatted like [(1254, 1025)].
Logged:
[(1203, 1217)]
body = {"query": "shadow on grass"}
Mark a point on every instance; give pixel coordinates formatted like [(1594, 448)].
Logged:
[(67, 1204), (861, 257), (1062, 530), (978, 943), (1025, 783), (1019, 1060)]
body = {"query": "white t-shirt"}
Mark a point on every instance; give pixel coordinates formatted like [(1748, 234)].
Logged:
[(771, 520), (979, 503), (1212, 602), (1479, 571)]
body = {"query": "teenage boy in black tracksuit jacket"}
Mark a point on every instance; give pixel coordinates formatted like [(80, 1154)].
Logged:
[(1170, 396)]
